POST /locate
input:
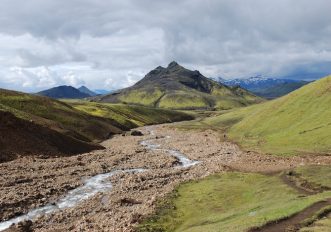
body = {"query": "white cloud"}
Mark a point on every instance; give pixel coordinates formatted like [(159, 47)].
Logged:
[(112, 44)]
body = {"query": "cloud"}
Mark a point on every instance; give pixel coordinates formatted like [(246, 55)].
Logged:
[(114, 43)]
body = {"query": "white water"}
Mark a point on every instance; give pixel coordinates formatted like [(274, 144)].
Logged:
[(92, 186), (184, 162)]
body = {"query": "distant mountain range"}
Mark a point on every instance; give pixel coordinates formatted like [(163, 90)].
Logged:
[(70, 92), (265, 87), (179, 88)]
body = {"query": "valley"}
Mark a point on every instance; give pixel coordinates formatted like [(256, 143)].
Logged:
[(86, 165), (134, 196), (165, 116)]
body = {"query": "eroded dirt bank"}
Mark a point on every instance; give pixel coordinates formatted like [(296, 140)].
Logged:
[(28, 183)]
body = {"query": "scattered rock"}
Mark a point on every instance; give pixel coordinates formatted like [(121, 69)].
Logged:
[(136, 133), (24, 226), (128, 202)]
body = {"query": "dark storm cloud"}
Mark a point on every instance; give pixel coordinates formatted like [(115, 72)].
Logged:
[(124, 39)]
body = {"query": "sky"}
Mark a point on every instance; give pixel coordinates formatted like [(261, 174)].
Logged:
[(112, 44)]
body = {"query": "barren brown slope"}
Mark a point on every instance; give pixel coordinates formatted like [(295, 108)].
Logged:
[(19, 137)]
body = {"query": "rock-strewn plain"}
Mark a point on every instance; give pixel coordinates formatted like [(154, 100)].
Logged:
[(28, 182)]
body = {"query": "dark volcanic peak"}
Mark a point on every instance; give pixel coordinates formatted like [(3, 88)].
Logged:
[(180, 88), (173, 65), (63, 91), (175, 77)]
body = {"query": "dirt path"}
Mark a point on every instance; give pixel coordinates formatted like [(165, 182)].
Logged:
[(292, 183), (30, 183), (292, 223)]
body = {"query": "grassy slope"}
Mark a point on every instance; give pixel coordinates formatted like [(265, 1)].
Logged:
[(83, 119), (56, 115), (316, 174), (130, 116), (146, 98), (228, 202), (297, 123)]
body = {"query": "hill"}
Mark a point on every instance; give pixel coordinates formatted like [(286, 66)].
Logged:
[(48, 120), (84, 89), (298, 123), (63, 91), (179, 88), (265, 87), (21, 138)]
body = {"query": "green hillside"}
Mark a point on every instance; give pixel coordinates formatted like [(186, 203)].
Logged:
[(298, 123), (129, 116), (176, 87), (80, 120)]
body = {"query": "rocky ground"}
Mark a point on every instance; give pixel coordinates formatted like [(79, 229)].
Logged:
[(27, 183)]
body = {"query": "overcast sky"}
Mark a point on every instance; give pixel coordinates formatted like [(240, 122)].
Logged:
[(108, 44)]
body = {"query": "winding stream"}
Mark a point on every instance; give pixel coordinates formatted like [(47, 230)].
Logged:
[(94, 185), (184, 162)]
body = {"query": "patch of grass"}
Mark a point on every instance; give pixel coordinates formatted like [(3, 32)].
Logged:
[(320, 175), (228, 202), (186, 100), (147, 98)]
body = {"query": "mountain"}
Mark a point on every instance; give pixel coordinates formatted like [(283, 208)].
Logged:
[(36, 125), (85, 90), (298, 123), (265, 87), (63, 91), (179, 88), (279, 90)]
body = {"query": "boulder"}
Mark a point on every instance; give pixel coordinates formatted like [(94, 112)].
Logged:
[(136, 133)]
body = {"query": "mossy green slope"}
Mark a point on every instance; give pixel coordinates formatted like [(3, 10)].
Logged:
[(84, 121), (176, 87), (298, 123), (130, 116)]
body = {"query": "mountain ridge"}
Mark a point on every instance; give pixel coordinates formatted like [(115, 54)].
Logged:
[(265, 87)]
